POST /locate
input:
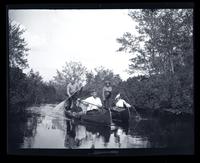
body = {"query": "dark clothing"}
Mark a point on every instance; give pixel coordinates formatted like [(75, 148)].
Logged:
[(72, 100), (107, 92), (107, 103)]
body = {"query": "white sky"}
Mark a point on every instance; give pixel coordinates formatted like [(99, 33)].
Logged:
[(88, 36)]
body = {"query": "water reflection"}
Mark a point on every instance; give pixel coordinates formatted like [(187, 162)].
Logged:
[(30, 130), (86, 136), (91, 136), (45, 131), (70, 141)]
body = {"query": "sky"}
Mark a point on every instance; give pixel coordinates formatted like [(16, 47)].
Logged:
[(87, 36)]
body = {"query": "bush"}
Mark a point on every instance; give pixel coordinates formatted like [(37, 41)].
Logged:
[(159, 92)]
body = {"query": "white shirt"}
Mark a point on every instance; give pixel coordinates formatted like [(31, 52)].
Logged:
[(95, 101), (121, 103)]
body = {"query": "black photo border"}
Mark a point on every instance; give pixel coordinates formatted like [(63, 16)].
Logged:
[(137, 153)]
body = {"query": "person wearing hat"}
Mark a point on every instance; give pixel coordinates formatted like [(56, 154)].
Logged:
[(120, 103), (107, 92), (72, 89), (92, 103)]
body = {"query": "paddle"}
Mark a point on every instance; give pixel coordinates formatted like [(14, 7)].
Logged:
[(100, 110), (133, 105)]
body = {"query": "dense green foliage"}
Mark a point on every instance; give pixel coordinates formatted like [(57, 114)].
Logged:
[(17, 47), (163, 51), (24, 89), (165, 41), (90, 80), (69, 72), (158, 92), (97, 81), (28, 89)]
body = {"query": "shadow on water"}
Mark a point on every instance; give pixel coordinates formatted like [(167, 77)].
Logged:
[(20, 128), (37, 129), (166, 134), (86, 136)]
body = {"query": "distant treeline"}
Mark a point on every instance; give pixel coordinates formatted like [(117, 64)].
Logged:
[(155, 92), (28, 89), (166, 57)]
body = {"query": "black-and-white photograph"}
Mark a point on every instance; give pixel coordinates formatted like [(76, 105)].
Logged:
[(100, 79)]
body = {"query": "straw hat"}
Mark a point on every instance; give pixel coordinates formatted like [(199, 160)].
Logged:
[(118, 96)]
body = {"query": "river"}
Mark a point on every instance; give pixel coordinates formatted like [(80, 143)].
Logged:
[(47, 128)]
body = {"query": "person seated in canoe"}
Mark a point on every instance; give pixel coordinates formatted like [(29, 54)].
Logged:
[(93, 103), (107, 92), (72, 90), (121, 103)]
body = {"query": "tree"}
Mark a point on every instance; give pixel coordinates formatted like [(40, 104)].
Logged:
[(163, 50), (17, 89), (49, 92), (34, 88), (71, 70), (17, 47), (164, 42), (17, 61), (98, 78), (24, 89)]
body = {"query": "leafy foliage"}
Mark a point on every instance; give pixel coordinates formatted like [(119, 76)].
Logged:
[(164, 43), (164, 51), (24, 89), (71, 71), (17, 47), (97, 80)]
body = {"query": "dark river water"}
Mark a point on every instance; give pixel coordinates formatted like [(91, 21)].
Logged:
[(47, 127)]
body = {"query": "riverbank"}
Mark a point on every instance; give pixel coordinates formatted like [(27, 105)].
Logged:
[(168, 114)]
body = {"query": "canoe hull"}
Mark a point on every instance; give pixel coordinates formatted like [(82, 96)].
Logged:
[(121, 115), (102, 117)]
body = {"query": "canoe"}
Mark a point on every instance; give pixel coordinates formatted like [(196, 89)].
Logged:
[(120, 115), (102, 117), (103, 131)]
